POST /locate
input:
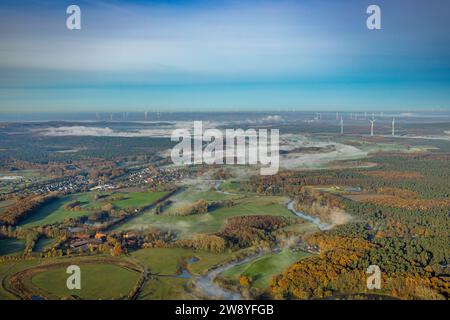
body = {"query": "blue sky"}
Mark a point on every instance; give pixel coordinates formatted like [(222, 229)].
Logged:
[(224, 55)]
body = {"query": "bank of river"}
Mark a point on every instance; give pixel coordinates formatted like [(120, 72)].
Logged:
[(316, 220), (207, 283), (211, 289)]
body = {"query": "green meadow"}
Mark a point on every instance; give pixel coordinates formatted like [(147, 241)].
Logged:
[(167, 261), (212, 221), (164, 265), (191, 194), (134, 199), (231, 186), (55, 212), (166, 288), (52, 213), (261, 270), (9, 268), (98, 282)]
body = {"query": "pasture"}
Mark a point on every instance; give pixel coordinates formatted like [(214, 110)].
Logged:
[(56, 212), (98, 282), (212, 221), (168, 261), (262, 269), (166, 288)]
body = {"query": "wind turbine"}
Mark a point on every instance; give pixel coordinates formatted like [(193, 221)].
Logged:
[(371, 127), (342, 125), (145, 115)]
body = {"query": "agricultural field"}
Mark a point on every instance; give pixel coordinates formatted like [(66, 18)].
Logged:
[(56, 212), (260, 270), (166, 288), (52, 213), (134, 199), (9, 268), (174, 271), (168, 261), (231, 187), (193, 193), (212, 221), (96, 282), (46, 278)]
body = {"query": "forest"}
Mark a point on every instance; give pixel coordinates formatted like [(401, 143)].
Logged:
[(404, 232)]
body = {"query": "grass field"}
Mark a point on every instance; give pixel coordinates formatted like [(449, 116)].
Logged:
[(166, 288), (164, 265), (212, 221), (193, 194), (262, 269), (166, 261), (11, 247), (54, 212), (135, 199), (231, 186), (98, 282), (5, 268), (8, 268)]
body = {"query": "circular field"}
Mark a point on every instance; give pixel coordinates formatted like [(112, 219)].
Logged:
[(100, 280)]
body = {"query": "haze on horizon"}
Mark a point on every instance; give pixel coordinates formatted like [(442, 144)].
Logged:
[(224, 55)]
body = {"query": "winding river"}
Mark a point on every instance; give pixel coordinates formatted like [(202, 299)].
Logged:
[(211, 289), (316, 220)]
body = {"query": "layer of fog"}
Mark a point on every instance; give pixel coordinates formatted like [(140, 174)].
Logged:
[(163, 130), (294, 160)]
